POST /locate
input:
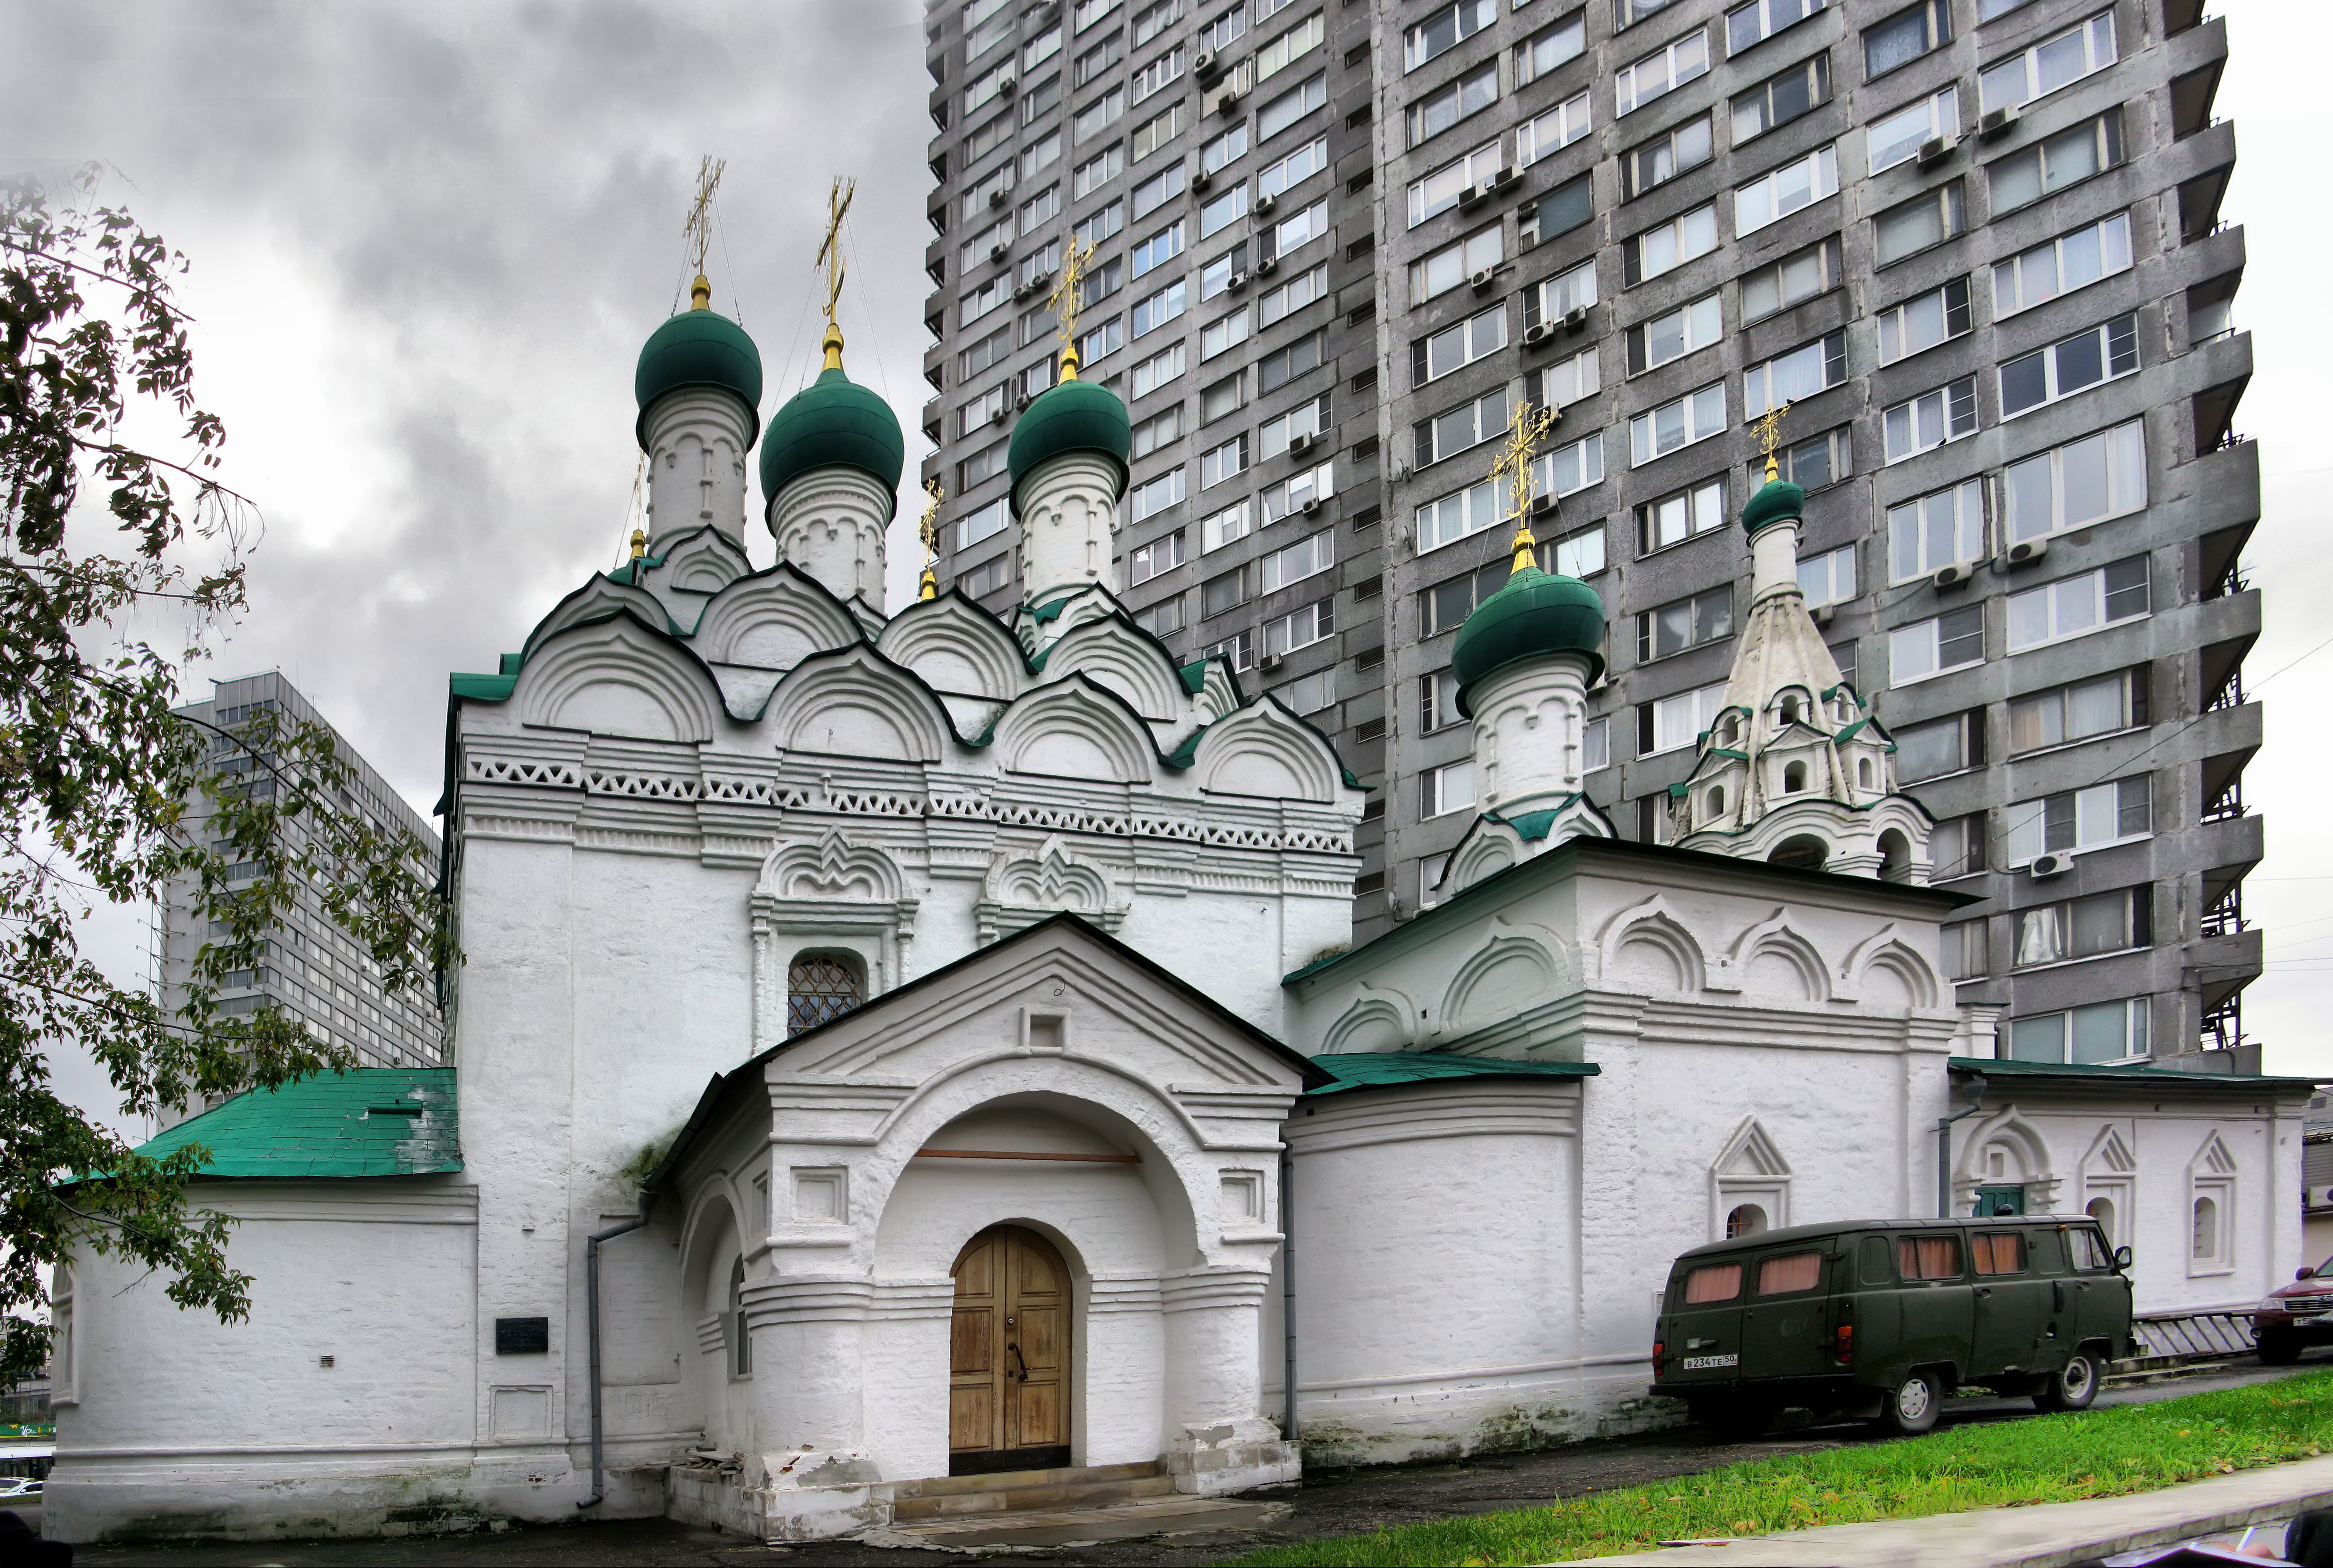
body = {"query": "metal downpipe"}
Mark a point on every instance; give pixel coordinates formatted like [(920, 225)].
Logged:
[(592, 1297)]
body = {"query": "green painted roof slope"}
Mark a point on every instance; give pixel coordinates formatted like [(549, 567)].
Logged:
[(1071, 416), (360, 1122), (698, 348), (832, 423), (1536, 614), (1371, 1069), (1779, 500)]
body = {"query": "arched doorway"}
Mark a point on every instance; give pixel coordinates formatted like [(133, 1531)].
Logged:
[(1009, 1354)]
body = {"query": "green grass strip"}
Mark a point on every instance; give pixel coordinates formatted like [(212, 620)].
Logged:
[(2064, 1458)]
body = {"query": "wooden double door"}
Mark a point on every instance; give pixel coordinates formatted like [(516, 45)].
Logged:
[(1009, 1355)]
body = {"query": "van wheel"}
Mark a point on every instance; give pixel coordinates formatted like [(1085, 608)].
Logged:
[(1738, 1420), (1913, 1406), (2074, 1387), (2278, 1349)]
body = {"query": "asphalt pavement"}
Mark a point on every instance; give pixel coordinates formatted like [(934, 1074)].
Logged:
[(1325, 1502)]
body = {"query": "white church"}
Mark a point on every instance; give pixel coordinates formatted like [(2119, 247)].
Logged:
[(899, 1048)]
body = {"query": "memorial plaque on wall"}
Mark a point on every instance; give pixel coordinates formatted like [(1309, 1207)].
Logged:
[(522, 1336)]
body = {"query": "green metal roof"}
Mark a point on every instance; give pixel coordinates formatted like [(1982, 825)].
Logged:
[(1069, 417), (697, 348), (366, 1122), (1777, 501), (1536, 614), (482, 688), (2160, 1077), (832, 423), (1373, 1069)]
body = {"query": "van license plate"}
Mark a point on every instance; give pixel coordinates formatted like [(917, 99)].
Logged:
[(1706, 1363)]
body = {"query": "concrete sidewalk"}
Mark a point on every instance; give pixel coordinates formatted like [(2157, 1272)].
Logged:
[(2049, 1535)]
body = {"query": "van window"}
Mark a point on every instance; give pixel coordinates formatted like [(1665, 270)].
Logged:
[(1929, 1257), (1794, 1271), (1712, 1282), (2090, 1249), (1998, 1252), (2049, 1256), (1877, 1266)]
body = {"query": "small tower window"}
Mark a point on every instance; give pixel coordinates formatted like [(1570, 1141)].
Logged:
[(822, 986), (740, 1346), (1794, 777), (1730, 732), (1789, 710), (1716, 801), (1748, 1219), (1863, 772)]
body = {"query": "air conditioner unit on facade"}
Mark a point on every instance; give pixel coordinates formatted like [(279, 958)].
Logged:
[(2047, 865), (1936, 149), (1998, 121), (1264, 203), (1300, 443), (1539, 336), (1269, 662), (1202, 180), (1824, 614), (1473, 197), (1207, 65), (1239, 282), (1483, 279), (1312, 505), (996, 198), (1575, 319), (1224, 102), (2026, 551), (1266, 267), (1021, 404), (1542, 504), (1004, 87), (1951, 577), (1000, 250), (1501, 177), (1000, 416)]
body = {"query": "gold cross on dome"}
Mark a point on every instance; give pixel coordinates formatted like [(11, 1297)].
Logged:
[(1524, 433), (1065, 302), (929, 531), (699, 230), (1768, 427), (830, 250)]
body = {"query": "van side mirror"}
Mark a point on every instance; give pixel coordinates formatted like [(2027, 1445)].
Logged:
[(2303, 1273), (2122, 1258)]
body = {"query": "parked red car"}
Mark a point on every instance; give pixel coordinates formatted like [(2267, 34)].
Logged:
[(2297, 1317)]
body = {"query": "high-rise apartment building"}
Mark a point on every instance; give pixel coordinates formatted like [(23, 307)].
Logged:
[(1972, 245), (313, 972)]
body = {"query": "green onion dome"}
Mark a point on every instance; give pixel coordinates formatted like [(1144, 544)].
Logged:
[(832, 423), (1070, 416), (1777, 501), (1537, 614), (698, 348)]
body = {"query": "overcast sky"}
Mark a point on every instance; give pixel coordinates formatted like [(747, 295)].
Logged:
[(429, 239)]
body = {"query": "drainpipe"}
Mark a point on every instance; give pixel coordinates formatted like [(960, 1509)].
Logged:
[(1944, 1147), (1288, 1287), (592, 1294)]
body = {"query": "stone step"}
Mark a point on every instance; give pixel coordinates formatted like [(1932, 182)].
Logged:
[(1216, 1517), (1014, 1491)]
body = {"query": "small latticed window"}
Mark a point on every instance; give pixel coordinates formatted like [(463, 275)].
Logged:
[(820, 986)]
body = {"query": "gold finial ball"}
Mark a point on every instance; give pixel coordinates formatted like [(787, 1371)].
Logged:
[(639, 543)]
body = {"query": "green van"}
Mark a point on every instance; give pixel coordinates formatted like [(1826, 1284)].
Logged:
[(1883, 1318)]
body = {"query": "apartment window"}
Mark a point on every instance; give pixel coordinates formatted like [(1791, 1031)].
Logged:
[(1310, 694), (983, 409), (2103, 706), (1222, 398), (1813, 463), (1155, 310), (2056, 61), (1929, 532), (1163, 620), (1158, 75), (1292, 45), (1570, 468), (1448, 789), (1453, 264), (1298, 492), (1228, 461), (1898, 137), (1451, 518), (1580, 555), (1098, 227), (1157, 190), (1279, 176), (1665, 156), (1232, 524), (1686, 623), (1158, 431), (987, 577), (1668, 246), (1041, 49), (1292, 106), (1777, 194), (1669, 722), (2079, 820), (2070, 365), (981, 300), (1224, 150), (1155, 371), (1554, 299), (1295, 562), (1925, 422), (1565, 381), (1095, 172), (1154, 496), (1153, 135), (981, 466), (1276, 305), (1099, 58), (1215, 275), (1445, 606), (1157, 250), (1460, 429), (1551, 47), (1673, 519), (1805, 371), (1779, 99), (1760, 19), (1307, 419), (1225, 210), (1090, 12), (1680, 331), (1301, 229), (1673, 427), (2074, 485), (1038, 265), (1040, 99), (1596, 745), (2083, 603), (1552, 128), (982, 88), (1437, 696), (1827, 579), (1950, 641), (1928, 219), (1282, 365), (1224, 30), (2102, 1032), (1225, 334), (984, 353), (1040, 154), (1443, 29), (1438, 110), (1455, 347), (1662, 71), (1152, 19), (989, 520), (1227, 592), (1099, 115), (2073, 155), (1238, 650), (1964, 944), (1316, 622), (1940, 747), (2061, 265), (1102, 341), (1924, 322), (1561, 210), (1906, 36), (981, 248), (986, 140)]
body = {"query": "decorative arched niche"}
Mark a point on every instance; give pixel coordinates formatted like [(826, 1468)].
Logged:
[(618, 678), (1022, 890), (827, 894), (1646, 948), (1749, 1173)]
